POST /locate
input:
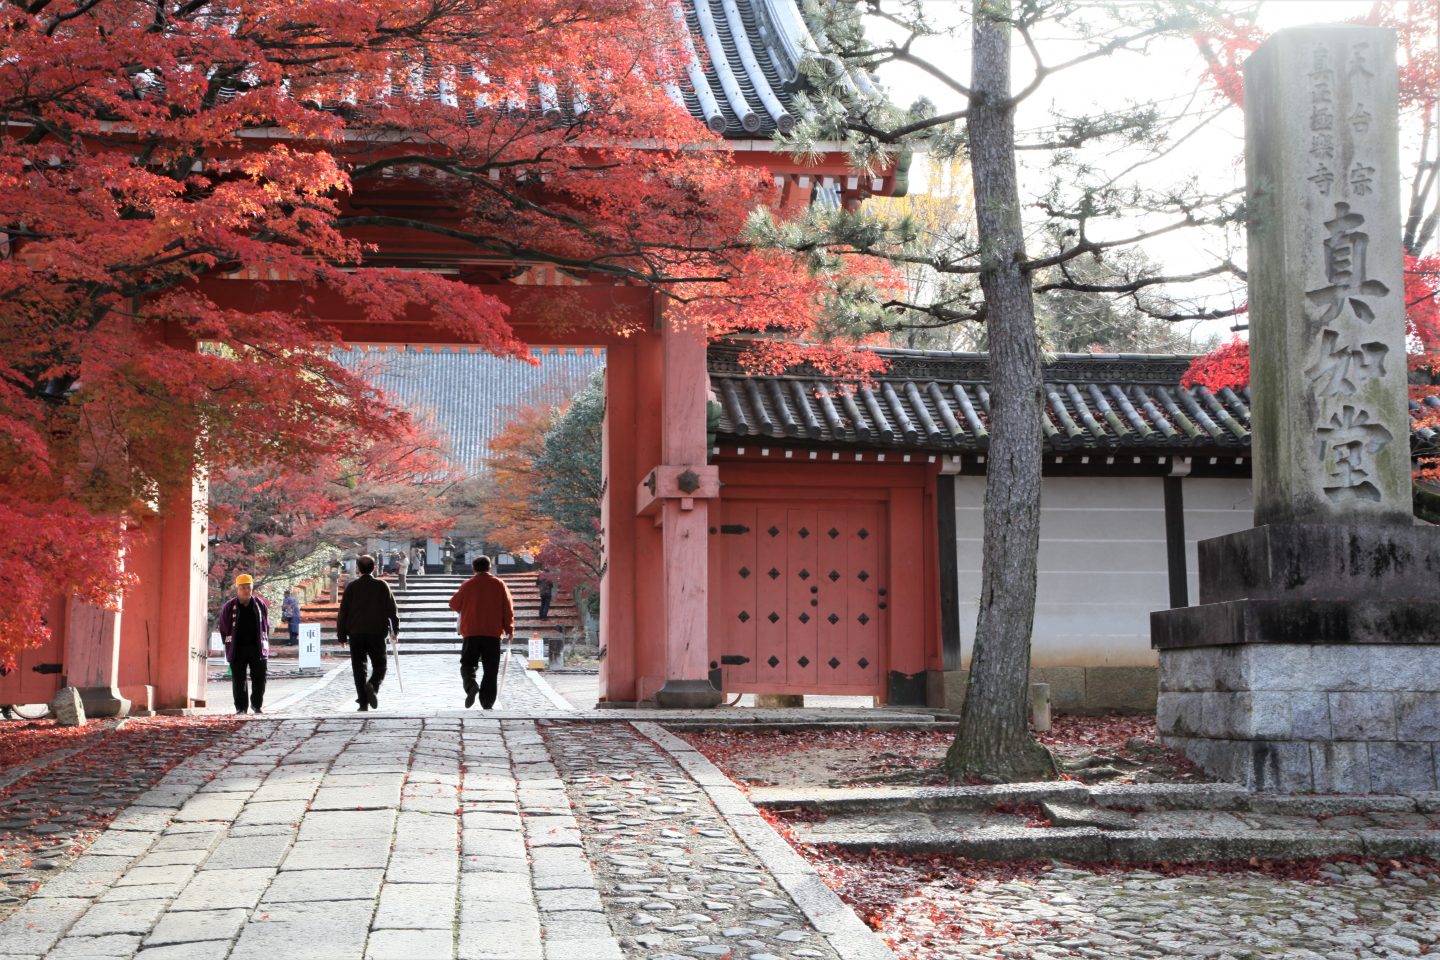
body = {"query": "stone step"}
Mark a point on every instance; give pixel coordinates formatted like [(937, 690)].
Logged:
[(1185, 823), (1093, 845)]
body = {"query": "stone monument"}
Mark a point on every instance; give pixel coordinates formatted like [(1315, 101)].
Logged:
[(1312, 662)]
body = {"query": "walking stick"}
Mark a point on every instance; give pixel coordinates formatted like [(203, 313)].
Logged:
[(504, 666), (395, 646)]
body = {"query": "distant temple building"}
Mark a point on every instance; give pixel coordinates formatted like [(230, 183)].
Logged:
[(469, 396)]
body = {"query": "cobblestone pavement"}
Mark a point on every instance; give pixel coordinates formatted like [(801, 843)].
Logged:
[(1352, 911), (675, 880), (365, 838), (432, 682), (51, 815)]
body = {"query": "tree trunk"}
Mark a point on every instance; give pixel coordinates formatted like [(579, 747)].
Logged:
[(994, 741)]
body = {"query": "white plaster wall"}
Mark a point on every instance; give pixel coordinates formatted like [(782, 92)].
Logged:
[(1102, 561)]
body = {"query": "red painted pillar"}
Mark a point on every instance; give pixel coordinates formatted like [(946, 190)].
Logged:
[(618, 527), (683, 486), (164, 627), (179, 671)]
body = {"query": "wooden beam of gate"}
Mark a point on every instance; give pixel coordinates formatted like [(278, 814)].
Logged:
[(540, 315)]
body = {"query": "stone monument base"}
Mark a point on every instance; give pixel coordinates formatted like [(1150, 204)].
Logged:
[(1356, 718), (1312, 663)]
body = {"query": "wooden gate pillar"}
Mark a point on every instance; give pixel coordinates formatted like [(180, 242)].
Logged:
[(677, 494), (179, 672), (618, 526), (92, 658)]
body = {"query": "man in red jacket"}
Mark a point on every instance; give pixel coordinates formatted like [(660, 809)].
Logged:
[(487, 613)]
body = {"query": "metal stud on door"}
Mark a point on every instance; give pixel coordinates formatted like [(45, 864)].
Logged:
[(771, 554), (803, 635)]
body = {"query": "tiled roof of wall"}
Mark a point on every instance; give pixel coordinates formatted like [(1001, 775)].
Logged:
[(471, 394), (941, 402)]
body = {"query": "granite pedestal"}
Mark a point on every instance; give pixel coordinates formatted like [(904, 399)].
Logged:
[(1312, 662)]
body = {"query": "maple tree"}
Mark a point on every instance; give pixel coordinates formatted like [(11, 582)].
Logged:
[(506, 501), (273, 522), (151, 148), (543, 485)]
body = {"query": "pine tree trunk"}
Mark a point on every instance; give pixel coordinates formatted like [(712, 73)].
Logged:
[(994, 741)]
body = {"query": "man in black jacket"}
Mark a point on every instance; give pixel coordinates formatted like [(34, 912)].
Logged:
[(367, 614)]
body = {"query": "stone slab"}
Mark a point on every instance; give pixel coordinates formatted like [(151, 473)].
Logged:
[(410, 945), (116, 945), (306, 886), (1320, 560), (118, 917), (416, 906), (196, 926), (355, 854), (224, 889)]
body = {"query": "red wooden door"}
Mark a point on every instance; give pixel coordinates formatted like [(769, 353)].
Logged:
[(797, 610)]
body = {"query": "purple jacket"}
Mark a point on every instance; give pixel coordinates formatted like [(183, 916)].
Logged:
[(227, 625)]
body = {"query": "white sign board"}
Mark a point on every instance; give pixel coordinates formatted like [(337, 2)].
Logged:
[(309, 645), (537, 649), (217, 646)]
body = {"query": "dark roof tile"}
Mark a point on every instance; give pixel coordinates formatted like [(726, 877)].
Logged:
[(939, 402)]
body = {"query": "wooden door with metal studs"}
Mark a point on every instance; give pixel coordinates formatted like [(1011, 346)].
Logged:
[(801, 605)]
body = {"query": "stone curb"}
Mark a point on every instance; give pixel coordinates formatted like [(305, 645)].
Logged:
[(315, 687), (826, 912), (544, 687), (889, 722), (1091, 845), (1148, 797)]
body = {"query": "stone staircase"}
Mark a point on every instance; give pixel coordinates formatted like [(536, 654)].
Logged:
[(426, 618)]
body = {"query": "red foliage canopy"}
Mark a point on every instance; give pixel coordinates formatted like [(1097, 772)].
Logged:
[(145, 144)]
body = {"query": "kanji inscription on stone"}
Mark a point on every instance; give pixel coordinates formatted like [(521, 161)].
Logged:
[(1330, 410), (1348, 442), (1345, 249)]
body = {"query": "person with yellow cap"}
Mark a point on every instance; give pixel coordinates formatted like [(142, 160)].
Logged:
[(245, 629)]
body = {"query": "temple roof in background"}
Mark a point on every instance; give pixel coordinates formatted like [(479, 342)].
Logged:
[(470, 396), (927, 402)]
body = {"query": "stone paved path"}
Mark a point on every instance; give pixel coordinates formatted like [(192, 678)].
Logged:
[(432, 682), (369, 837)]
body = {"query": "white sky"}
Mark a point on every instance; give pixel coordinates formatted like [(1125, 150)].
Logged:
[(1169, 73)]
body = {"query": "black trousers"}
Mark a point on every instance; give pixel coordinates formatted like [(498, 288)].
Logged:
[(365, 646), (544, 606), (241, 661), (483, 651)]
